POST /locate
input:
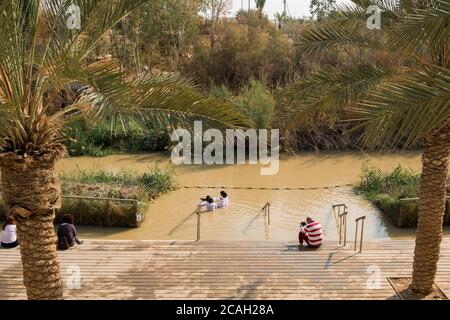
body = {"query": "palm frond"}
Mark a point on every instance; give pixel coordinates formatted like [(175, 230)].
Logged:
[(164, 100), (325, 37), (329, 89), (426, 25), (13, 50), (405, 109)]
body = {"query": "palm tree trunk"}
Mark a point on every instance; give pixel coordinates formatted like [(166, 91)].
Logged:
[(431, 210), (31, 192)]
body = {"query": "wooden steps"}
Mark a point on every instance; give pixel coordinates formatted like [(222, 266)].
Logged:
[(227, 270)]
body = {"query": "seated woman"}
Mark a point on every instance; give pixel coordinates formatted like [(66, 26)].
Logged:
[(67, 233), (208, 202), (222, 201), (9, 234)]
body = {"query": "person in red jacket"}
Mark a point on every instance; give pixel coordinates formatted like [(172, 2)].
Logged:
[(311, 233)]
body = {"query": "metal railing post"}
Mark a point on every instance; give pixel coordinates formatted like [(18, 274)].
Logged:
[(340, 230), (339, 207), (345, 228), (362, 234), (266, 209), (343, 224), (362, 219), (198, 225)]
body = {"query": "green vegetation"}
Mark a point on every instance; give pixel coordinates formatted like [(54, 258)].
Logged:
[(257, 103), (398, 183), (391, 192), (101, 140), (122, 185), (249, 62)]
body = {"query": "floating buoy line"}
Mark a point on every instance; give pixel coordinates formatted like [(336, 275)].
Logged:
[(268, 188)]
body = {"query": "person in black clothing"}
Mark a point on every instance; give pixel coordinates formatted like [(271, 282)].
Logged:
[(67, 233)]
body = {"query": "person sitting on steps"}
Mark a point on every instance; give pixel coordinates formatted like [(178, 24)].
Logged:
[(9, 234), (310, 233), (67, 233)]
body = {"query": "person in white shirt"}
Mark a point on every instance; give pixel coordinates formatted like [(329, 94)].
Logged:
[(222, 201), (9, 234), (208, 202)]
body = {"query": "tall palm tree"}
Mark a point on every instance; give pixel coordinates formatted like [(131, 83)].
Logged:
[(41, 56), (401, 96)]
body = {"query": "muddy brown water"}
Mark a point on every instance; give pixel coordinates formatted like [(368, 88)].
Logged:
[(172, 215)]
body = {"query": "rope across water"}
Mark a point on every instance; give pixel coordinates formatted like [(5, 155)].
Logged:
[(268, 188)]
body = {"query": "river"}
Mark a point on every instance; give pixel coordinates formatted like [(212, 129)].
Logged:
[(171, 216)]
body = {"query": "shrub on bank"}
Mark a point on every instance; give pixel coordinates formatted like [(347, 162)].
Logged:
[(398, 183), (257, 103), (122, 185), (395, 193)]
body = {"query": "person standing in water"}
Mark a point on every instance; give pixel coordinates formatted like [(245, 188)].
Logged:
[(222, 201), (9, 234), (311, 233), (209, 203)]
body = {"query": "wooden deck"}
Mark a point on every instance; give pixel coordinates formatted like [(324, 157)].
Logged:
[(227, 270)]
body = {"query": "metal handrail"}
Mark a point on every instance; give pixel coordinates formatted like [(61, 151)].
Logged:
[(266, 210), (343, 224), (198, 224), (340, 214), (362, 219), (339, 206)]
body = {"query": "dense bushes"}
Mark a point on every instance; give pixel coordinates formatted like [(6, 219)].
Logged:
[(257, 103), (248, 48), (395, 193), (398, 183), (100, 141)]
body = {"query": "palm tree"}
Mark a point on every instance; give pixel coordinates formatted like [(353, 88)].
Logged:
[(400, 95), (260, 4), (41, 57), (280, 17)]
